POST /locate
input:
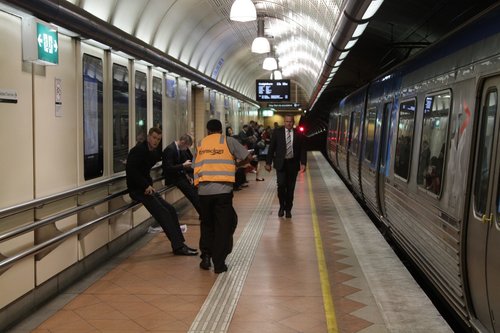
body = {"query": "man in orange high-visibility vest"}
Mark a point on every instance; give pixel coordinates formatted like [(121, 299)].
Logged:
[(214, 175)]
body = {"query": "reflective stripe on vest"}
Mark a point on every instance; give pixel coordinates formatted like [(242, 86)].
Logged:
[(214, 162)]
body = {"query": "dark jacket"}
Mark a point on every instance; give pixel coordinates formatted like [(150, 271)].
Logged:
[(140, 160), (172, 160), (277, 149)]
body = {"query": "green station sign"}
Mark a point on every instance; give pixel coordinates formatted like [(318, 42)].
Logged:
[(284, 105), (40, 42), (47, 44)]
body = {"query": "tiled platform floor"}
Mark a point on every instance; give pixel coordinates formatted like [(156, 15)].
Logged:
[(151, 290)]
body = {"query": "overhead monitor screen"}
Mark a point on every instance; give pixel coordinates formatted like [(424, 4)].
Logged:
[(273, 90)]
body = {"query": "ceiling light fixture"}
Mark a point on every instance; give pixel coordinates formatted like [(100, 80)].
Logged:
[(270, 63), (359, 30), (260, 43), (372, 9), (243, 11)]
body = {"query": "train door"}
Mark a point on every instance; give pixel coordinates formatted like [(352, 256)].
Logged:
[(333, 139), (483, 230), (382, 165)]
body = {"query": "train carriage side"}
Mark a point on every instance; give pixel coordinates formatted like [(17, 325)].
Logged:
[(343, 141), (357, 103), (376, 145), (430, 165), (482, 219), (482, 245), (430, 224), (418, 217), (333, 137)]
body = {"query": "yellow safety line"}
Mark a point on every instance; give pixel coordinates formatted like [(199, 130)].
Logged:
[(331, 320)]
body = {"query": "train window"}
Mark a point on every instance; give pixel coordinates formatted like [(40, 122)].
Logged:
[(498, 204), (356, 122), (433, 142), (140, 106), (485, 152), (385, 128), (92, 117), (120, 117), (371, 120), (344, 125), (404, 138), (157, 102), (334, 132), (182, 113)]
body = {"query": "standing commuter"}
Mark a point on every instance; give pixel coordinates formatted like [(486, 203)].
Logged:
[(287, 150), (214, 175), (176, 164), (423, 162), (140, 160)]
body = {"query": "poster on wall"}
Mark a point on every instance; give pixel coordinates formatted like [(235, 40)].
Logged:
[(212, 103), (58, 97), (182, 96), (217, 68), (171, 85), (90, 116), (8, 96)]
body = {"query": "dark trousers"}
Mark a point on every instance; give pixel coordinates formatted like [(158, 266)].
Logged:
[(165, 214), (218, 223), (240, 177), (286, 178), (189, 192)]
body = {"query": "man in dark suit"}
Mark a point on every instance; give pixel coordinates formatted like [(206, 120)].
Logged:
[(176, 164), (140, 160), (287, 150)]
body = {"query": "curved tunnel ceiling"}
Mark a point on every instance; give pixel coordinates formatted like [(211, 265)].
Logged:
[(200, 34), (193, 37)]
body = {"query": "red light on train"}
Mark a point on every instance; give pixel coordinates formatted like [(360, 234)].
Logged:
[(301, 129)]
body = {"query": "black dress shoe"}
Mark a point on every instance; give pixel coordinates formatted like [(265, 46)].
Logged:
[(205, 262), (221, 269), (185, 251), (191, 249), (288, 214), (281, 212)]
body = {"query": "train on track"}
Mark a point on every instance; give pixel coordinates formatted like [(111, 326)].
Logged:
[(420, 146)]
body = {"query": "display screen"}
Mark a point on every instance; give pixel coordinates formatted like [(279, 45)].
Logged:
[(428, 104), (273, 90)]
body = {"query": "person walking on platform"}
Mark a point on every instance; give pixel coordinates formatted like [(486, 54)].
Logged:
[(177, 170), (140, 160), (287, 150), (214, 175)]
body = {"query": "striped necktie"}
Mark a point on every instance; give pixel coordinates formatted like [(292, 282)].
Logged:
[(289, 149)]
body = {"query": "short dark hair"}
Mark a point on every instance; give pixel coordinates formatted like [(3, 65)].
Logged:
[(186, 138), (156, 130), (214, 126)]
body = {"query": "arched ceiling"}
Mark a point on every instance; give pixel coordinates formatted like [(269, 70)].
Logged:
[(307, 36), (200, 34), (399, 30)]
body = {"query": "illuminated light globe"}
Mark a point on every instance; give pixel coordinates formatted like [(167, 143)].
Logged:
[(261, 45), (270, 64), (243, 11)]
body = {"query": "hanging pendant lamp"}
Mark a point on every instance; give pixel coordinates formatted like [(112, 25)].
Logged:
[(277, 75), (260, 43), (243, 11), (270, 64)]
